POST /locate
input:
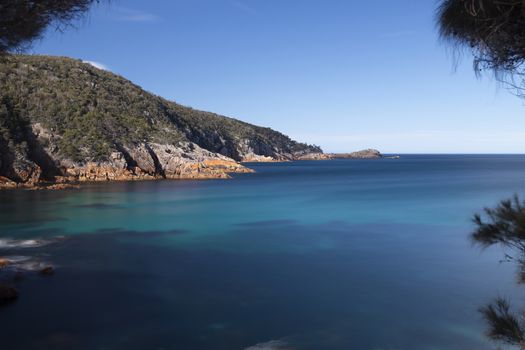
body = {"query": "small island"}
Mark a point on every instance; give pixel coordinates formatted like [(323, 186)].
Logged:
[(364, 154)]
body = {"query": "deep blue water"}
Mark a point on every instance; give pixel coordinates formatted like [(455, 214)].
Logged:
[(344, 254)]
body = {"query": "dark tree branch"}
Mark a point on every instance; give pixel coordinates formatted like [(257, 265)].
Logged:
[(23, 21), (493, 30), (504, 325)]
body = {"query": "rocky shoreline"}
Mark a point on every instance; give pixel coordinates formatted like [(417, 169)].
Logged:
[(151, 162), (45, 169), (96, 172)]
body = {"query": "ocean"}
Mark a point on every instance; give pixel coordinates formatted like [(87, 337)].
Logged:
[(342, 254)]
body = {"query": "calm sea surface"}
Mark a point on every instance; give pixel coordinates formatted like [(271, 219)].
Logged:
[(345, 254)]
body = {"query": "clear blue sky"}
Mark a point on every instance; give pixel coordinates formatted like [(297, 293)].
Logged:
[(344, 74)]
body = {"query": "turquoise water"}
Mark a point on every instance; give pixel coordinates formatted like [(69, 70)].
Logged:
[(344, 254)]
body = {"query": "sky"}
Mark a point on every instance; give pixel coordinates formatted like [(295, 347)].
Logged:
[(342, 74)]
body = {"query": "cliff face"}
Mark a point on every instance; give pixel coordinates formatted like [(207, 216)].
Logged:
[(142, 161), (62, 120)]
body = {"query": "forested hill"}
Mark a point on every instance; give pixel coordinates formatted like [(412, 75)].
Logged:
[(66, 113)]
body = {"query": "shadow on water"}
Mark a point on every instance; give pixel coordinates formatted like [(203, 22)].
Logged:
[(504, 225)]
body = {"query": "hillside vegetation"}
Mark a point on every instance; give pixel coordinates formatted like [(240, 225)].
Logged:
[(57, 109)]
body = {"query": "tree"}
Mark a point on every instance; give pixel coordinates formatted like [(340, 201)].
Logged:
[(504, 226), (493, 30), (23, 21), (505, 326)]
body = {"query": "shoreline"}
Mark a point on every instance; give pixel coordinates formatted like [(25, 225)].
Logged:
[(212, 169), (209, 169)]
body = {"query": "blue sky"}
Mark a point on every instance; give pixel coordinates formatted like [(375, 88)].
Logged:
[(343, 74)]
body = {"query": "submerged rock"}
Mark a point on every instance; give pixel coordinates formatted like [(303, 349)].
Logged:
[(47, 271), (4, 263), (7, 294), (18, 276)]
